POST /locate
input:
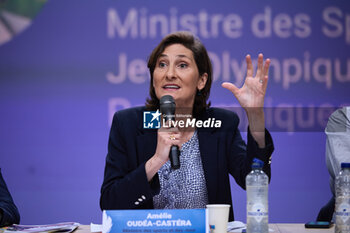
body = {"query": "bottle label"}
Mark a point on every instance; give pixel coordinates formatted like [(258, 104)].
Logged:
[(258, 211), (343, 211)]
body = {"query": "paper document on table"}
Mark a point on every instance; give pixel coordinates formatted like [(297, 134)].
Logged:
[(237, 226), (95, 227), (50, 228)]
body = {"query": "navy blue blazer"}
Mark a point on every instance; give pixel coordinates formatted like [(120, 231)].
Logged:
[(8, 210), (222, 150)]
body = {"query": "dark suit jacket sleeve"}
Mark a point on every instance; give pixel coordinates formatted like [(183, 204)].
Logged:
[(242, 154), (264, 154), (8, 208), (125, 184)]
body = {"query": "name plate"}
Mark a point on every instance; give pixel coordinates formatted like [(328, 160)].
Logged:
[(155, 221)]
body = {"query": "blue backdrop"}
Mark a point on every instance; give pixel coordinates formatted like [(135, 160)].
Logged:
[(79, 61)]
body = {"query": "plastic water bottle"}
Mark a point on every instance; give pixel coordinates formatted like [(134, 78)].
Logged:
[(257, 199), (342, 200)]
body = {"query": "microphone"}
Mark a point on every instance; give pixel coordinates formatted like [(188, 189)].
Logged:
[(167, 108)]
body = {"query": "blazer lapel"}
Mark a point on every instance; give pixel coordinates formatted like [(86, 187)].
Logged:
[(208, 148), (146, 144)]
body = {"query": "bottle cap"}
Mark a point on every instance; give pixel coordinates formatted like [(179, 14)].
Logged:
[(345, 165), (257, 163)]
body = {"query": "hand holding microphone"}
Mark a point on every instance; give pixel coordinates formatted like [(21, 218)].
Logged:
[(167, 108)]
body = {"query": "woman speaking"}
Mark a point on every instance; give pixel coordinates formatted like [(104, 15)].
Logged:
[(138, 172)]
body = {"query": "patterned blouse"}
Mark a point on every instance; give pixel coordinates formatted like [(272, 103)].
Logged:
[(184, 188)]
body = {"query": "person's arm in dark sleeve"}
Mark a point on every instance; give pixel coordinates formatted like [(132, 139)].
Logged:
[(251, 97), (242, 154), (8, 211), (125, 186), (264, 154)]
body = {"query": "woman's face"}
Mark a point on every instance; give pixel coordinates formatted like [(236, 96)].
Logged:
[(176, 74)]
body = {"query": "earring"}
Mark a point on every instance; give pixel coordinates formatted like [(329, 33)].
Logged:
[(199, 93)]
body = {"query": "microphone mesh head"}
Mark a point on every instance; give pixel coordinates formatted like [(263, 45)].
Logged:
[(166, 99), (167, 107)]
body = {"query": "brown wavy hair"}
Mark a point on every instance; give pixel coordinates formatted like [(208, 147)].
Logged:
[(201, 58)]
